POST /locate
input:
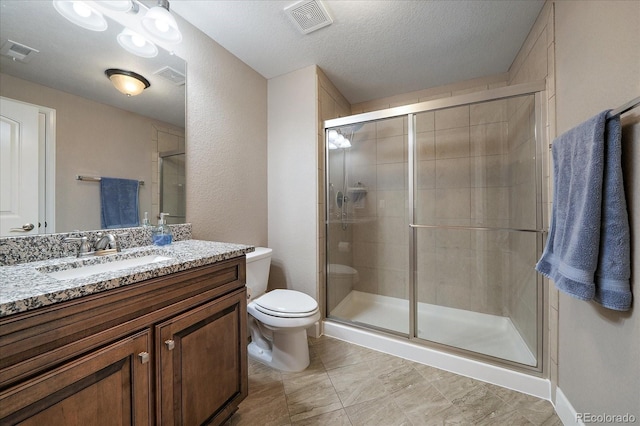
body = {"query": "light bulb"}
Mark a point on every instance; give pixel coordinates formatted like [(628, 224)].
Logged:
[(138, 40), (81, 9), (162, 26)]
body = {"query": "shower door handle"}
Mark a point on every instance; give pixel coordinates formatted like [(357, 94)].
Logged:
[(478, 228)]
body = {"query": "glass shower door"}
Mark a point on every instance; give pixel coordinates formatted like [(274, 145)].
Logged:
[(367, 226), (475, 228)]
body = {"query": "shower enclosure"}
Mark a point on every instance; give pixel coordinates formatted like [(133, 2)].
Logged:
[(434, 223), (172, 186)]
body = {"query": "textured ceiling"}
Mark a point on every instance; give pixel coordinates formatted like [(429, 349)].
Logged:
[(373, 49)]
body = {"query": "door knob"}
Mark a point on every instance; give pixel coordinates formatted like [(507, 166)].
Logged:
[(170, 344), (25, 228)]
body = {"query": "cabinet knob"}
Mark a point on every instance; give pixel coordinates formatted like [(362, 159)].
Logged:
[(144, 357), (170, 344)]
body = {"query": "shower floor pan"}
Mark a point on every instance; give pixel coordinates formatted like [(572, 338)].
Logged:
[(483, 333)]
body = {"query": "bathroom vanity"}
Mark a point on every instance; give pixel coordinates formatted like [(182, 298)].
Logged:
[(159, 343)]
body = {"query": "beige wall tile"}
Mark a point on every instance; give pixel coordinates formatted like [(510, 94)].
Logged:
[(391, 149), (488, 112), (425, 122), (452, 143), (452, 173), (488, 139), (391, 176), (452, 117)]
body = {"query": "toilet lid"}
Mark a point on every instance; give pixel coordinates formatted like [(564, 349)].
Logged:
[(286, 303)]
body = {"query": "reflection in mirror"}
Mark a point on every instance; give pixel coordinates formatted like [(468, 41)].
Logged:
[(172, 186), (86, 126)]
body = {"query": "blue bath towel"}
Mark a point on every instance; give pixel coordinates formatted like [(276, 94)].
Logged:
[(119, 202), (587, 253)]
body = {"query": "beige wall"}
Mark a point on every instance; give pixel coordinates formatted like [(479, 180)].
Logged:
[(293, 181), (598, 67), (226, 147), (90, 140)]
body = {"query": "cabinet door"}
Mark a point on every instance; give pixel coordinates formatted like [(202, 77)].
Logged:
[(110, 386), (202, 362)]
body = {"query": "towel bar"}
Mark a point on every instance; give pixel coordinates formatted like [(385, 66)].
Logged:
[(95, 179), (624, 108)]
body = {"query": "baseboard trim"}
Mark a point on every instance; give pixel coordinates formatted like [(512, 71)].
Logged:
[(565, 410)]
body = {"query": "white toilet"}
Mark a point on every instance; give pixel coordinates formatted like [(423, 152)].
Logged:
[(278, 319)]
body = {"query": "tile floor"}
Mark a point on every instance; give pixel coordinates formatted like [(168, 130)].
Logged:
[(346, 384)]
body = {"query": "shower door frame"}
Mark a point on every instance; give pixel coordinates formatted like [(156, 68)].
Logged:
[(537, 89)]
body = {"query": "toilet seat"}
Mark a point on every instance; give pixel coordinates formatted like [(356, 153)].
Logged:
[(286, 304)]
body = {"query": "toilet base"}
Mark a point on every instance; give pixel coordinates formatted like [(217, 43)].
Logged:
[(289, 351)]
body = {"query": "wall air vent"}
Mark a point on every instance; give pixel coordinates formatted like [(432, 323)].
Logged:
[(308, 15), (174, 76), (18, 51)]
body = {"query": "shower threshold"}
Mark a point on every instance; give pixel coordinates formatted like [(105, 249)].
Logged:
[(487, 334)]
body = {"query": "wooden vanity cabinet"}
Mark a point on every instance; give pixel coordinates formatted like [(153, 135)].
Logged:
[(106, 387), (202, 363), (169, 350)]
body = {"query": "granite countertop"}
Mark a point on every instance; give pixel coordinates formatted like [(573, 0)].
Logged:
[(27, 286)]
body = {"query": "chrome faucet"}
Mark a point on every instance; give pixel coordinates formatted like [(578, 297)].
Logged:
[(109, 241), (84, 248), (105, 241)]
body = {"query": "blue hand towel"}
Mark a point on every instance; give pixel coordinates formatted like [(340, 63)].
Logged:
[(614, 263), (589, 229), (119, 202)]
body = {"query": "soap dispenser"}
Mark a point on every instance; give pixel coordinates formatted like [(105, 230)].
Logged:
[(162, 234), (145, 222)]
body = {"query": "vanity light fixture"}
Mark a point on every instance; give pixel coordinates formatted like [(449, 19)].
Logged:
[(137, 44), (159, 22), (127, 82), (81, 14)]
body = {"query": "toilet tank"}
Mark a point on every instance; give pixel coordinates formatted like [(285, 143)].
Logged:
[(258, 265)]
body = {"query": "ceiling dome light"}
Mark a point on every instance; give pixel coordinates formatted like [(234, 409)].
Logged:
[(161, 24), (137, 44), (81, 14), (127, 82)]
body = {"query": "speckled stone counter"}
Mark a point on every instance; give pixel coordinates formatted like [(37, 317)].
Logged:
[(27, 286)]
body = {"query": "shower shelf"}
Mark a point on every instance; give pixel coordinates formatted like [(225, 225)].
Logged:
[(357, 193)]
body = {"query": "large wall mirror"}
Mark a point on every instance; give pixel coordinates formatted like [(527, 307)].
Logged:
[(94, 130)]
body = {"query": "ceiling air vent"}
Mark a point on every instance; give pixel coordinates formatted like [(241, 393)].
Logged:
[(18, 51), (174, 76), (308, 15)]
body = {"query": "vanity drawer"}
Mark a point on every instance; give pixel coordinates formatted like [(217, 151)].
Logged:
[(37, 340)]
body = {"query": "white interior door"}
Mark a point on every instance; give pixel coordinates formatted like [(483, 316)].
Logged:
[(18, 168)]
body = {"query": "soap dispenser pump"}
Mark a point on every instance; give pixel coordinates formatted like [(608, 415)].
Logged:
[(145, 222), (162, 234)]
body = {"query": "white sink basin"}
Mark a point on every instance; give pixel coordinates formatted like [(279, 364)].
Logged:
[(85, 271)]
